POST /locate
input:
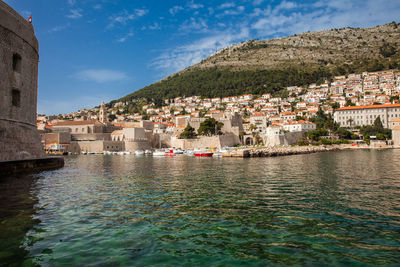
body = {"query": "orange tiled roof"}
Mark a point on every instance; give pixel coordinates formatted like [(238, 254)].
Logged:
[(370, 106), (87, 122)]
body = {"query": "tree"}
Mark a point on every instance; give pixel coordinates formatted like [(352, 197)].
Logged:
[(350, 121), (188, 132), (257, 139), (112, 117), (375, 130), (378, 126), (343, 133), (335, 105), (210, 127), (315, 134), (387, 50), (252, 127)]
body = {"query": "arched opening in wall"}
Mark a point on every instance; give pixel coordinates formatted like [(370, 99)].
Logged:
[(16, 98), (249, 141), (17, 62)]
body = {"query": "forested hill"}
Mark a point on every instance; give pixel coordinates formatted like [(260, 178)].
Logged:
[(268, 66)]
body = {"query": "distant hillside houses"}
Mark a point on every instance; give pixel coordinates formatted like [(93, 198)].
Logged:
[(353, 100)]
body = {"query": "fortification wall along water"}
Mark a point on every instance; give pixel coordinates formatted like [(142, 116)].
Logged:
[(19, 59)]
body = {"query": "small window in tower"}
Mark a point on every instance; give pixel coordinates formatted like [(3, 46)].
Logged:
[(17, 63), (16, 97)]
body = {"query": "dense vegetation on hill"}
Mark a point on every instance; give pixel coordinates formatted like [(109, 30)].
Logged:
[(220, 83), (269, 66)]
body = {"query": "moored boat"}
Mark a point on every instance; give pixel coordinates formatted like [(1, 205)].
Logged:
[(203, 154), (139, 152), (159, 153), (170, 153)]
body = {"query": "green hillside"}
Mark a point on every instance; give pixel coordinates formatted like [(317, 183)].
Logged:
[(269, 66)]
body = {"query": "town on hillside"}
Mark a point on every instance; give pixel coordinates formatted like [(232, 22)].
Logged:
[(362, 107)]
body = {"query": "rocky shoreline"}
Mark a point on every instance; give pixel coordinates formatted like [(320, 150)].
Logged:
[(278, 151)]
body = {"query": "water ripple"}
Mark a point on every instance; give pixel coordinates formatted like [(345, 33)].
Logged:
[(337, 208)]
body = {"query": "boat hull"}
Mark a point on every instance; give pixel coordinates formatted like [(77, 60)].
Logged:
[(203, 154)]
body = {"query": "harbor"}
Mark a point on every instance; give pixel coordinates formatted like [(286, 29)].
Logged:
[(340, 208)]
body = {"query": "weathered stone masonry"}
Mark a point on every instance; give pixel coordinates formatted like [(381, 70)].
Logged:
[(19, 59)]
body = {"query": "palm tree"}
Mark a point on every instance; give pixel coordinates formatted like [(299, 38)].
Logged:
[(350, 121)]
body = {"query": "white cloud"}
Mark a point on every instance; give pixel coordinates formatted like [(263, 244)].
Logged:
[(285, 5), (289, 18), (75, 13), (125, 16), (155, 26), (194, 24), (192, 5), (141, 12), (71, 104), (257, 2), (227, 5), (175, 9), (71, 2), (190, 54), (101, 75), (59, 28), (126, 37), (232, 12), (97, 6)]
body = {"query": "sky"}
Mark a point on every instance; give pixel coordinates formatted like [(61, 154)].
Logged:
[(99, 50)]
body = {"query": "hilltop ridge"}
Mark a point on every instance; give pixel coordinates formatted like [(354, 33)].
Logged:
[(268, 66)]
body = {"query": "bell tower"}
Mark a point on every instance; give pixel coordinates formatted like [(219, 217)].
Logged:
[(103, 113)]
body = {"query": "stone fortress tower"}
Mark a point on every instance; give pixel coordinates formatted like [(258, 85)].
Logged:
[(19, 57)]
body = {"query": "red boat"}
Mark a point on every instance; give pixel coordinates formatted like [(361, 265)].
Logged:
[(170, 153), (203, 154)]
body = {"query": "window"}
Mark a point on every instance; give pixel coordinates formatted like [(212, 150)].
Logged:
[(16, 97), (17, 63)]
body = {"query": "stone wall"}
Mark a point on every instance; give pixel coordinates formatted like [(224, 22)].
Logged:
[(95, 146), (58, 138), (91, 137), (19, 57), (285, 139), (19, 141), (396, 137), (136, 145), (206, 141)]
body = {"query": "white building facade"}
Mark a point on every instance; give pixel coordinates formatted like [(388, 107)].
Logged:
[(366, 115)]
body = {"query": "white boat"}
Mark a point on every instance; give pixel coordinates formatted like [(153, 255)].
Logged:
[(189, 152), (148, 152), (159, 153), (217, 154), (139, 152), (177, 151)]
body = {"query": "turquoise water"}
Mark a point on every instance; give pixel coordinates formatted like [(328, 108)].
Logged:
[(335, 208)]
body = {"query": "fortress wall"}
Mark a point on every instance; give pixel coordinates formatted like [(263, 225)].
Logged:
[(95, 146), (137, 145), (283, 139), (19, 138), (206, 142)]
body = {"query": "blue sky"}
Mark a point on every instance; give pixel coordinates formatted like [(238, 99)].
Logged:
[(95, 50)]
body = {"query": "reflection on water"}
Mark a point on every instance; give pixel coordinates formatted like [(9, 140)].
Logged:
[(16, 209), (337, 208)]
